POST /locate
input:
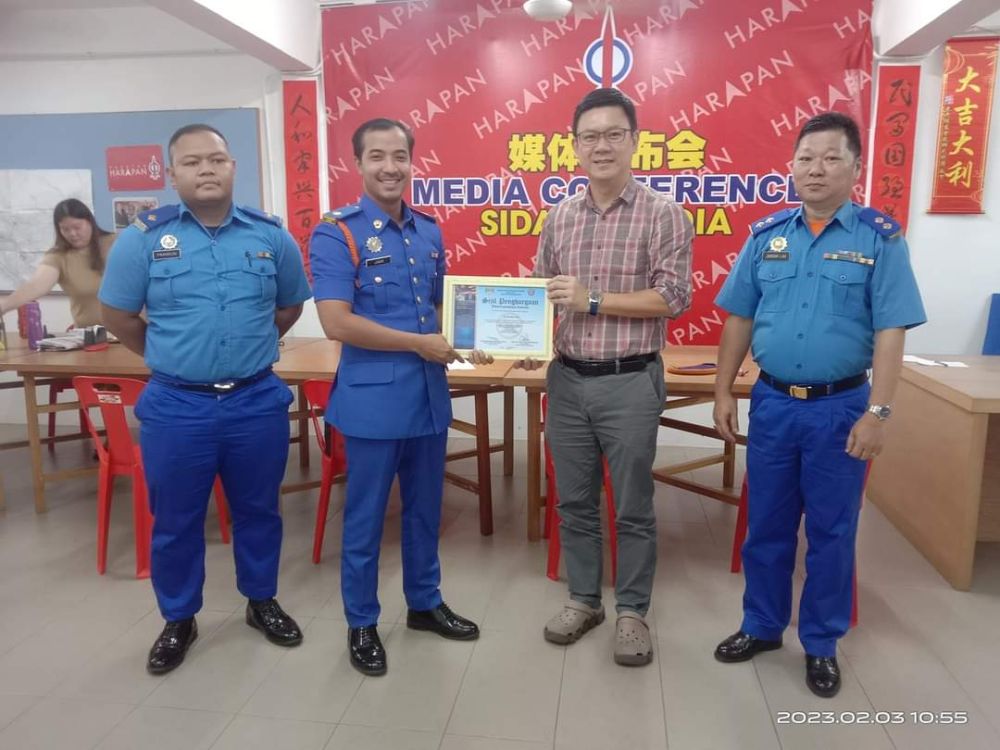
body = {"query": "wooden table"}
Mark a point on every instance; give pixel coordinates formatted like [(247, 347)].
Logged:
[(938, 478), (301, 359), (682, 391)]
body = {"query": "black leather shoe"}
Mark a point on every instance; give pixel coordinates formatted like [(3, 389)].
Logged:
[(743, 647), (171, 646), (823, 675), (367, 651), (267, 615), (444, 622)]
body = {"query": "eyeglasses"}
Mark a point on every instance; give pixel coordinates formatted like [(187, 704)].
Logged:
[(614, 136)]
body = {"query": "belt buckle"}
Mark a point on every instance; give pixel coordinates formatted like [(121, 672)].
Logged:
[(224, 387), (798, 391)]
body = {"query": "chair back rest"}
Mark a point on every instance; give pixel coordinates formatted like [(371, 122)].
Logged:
[(111, 396), (317, 394), (991, 344)]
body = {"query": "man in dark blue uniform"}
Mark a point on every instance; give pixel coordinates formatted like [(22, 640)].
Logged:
[(823, 293), (220, 285), (378, 268)]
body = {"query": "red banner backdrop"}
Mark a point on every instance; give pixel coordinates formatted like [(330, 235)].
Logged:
[(895, 128), (721, 90), (134, 168), (301, 162), (964, 126)]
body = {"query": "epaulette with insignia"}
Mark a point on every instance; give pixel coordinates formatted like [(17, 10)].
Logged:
[(424, 215), (263, 215), (783, 215), (884, 225), (154, 217), (332, 217)]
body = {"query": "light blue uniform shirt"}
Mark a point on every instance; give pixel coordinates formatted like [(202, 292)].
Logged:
[(210, 297), (397, 282), (816, 302)]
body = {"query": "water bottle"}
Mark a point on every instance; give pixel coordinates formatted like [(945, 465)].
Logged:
[(33, 313)]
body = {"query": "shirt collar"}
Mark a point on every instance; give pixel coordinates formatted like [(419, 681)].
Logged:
[(235, 213), (626, 196), (378, 219), (846, 215)]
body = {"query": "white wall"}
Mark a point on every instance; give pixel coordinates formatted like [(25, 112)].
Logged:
[(956, 258)]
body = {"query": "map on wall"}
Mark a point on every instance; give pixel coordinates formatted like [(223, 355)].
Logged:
[(27, 197)]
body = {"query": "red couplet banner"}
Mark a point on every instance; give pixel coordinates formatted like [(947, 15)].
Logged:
[(301, 161), (721, 91), (964, 125), (895, 129)]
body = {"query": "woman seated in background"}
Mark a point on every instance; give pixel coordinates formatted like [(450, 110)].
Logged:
[(75, 262)]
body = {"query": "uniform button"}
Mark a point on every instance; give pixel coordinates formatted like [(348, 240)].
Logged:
[(805, 305), (772, 274), (416, 280), (419, 299), (407, 241), (843, 277), (378, 279), (423, 319), (801, 336), (412, 262), (222, 307), (810, 274), (214, 243)]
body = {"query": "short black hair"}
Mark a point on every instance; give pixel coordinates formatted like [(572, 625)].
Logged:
[(197, 127), (606, 98), (834, 121), (379, 123)]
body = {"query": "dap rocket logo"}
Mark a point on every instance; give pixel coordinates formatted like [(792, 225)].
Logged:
[(608, 59)]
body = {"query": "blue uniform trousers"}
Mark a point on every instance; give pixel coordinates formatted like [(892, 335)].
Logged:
[(796, 463), (371, 467), (187, 439)]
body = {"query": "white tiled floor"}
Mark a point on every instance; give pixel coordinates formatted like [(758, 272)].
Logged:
[(73, 644)]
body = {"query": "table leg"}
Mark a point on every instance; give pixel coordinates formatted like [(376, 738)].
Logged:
[(728, 463), (34, 440), (534, 427), (483, 463), (508, 431), (303, 405)]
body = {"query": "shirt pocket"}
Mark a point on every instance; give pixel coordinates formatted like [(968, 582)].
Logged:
[(842, 289), (431, 275), (169, 280), (777, 283), (260, 283), (378, 289)]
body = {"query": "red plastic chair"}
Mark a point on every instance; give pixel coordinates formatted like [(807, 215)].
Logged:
[(55, 388), (121, 456), (334, 455), (740, 535), (551, 529)]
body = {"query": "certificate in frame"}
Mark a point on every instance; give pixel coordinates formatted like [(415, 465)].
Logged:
[(506, 317)]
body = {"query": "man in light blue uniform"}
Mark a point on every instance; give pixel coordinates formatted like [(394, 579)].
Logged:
[(823, 292), (220, 285), (378, 268)]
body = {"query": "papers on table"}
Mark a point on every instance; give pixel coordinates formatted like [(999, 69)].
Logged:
[(932, 362), (461, 366)]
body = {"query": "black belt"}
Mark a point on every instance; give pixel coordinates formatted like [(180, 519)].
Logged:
[(819, 390), (591, 368), (225, 386)]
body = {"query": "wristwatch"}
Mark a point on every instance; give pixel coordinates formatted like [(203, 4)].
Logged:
[(882, 412), (594, 297)]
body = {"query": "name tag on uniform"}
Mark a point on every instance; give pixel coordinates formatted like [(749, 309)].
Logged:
[(265, 255), (164, 254), (378, 261), (776, 255), (850, 257)]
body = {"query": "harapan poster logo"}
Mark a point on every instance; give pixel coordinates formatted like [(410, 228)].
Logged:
[(721, 90)]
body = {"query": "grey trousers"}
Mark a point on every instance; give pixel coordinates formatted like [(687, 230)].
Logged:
[(617, 416)]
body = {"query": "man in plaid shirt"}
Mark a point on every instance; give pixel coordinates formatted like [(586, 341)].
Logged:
[(619, 259)]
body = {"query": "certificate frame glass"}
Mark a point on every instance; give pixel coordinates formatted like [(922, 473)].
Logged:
[(509, 318)]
